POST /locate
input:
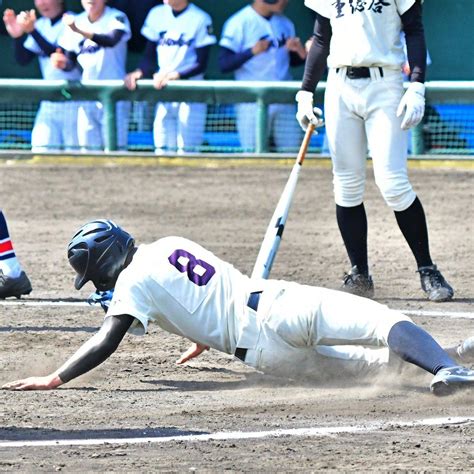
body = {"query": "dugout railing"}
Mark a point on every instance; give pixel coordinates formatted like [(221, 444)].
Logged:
[(447, 129)]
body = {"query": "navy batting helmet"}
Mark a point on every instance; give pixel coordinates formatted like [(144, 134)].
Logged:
[(98, 252)]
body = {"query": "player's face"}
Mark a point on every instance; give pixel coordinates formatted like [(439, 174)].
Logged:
[(49, 8), (94, 8), (177, 4)]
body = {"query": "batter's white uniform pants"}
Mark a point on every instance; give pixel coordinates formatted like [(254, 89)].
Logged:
[(179, 126), (317, 332), (91, 125), (360, 116), (55, 127), (281, 126)]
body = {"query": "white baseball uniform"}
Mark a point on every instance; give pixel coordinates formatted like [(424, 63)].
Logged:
[(189, 291), (361, 113), (241, 32), (55, 124), (178, 125), (99, 62)]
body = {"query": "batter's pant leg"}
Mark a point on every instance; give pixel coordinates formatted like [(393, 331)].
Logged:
[(388, 143), (347, 142)]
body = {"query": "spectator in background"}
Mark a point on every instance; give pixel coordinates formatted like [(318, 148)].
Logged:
[(179, 38), (259, 43), (96, 40), (55, 124)]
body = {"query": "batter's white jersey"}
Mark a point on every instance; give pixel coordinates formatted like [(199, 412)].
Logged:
[(184, 288), (178, 37), (365, 32), (243, 29), (96, 61), (51, 33)]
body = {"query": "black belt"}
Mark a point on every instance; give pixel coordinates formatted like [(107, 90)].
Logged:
[(252, 302), (359, 72)]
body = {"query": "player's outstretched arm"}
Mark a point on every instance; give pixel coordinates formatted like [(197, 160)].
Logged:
[(195, 350), (92, 353)]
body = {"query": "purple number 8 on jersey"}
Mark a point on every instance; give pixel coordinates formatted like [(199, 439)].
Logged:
[(199, 276)]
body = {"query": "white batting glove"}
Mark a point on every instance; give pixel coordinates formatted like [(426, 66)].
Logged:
[(306, 113), (413, 103)]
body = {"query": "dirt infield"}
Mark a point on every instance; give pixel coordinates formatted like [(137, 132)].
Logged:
[(140, 393)]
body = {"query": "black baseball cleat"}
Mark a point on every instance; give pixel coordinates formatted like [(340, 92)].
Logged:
[(434, 285), (14, 286), (451, 379), (358, 283)]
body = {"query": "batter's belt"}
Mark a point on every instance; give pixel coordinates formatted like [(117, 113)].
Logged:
[(359, 72)]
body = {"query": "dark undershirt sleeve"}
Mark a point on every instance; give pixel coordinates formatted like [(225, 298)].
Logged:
[(108, 40), (229, 61), (202, 57), (114, 329), (415, 39), (316, 61), (47, 47), (23, 56), (149, 62)]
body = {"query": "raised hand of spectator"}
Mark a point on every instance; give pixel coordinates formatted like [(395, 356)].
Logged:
[(70, 22), (260, 46), (14, 29), (131, 79), (58, 59), (295, 45), (27, 20), (160, 79)]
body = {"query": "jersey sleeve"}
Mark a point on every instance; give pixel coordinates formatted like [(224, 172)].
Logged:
[(323, 7), (151, 26), (130, 298), (404, 5), (205, 36), (232, 35), (119, 21)]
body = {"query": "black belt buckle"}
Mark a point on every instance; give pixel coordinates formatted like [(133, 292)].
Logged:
[(358, 72)]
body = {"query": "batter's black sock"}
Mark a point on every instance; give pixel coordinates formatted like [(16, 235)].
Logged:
[(413, 344), (412, 223), (352, 222)]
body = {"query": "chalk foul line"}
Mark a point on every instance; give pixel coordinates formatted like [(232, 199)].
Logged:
[(243, 435)]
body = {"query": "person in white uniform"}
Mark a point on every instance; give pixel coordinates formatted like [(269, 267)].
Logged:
[(55, 126), (275, 326), (259, 43), (179, 38), (366, 107), (97, 40)]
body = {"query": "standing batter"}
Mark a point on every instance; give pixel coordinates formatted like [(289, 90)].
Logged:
[(97, 40), (367, 108), (274, 326), (179, 38), (55, 124), (259, 43)]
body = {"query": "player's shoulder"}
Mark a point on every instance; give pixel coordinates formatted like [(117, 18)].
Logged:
[(241, 15), (322, 7), (157, 12), (198, 12), (115, 14)]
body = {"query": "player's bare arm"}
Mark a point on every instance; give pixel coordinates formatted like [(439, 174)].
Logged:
[(295, 45), (91, 354), (194, 350)]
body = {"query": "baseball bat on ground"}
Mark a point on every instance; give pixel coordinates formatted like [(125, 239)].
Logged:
[(274, 233)]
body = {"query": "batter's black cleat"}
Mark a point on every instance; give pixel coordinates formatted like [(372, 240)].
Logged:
[(434, 285), (452, 379), (16, 287), (358, 283)]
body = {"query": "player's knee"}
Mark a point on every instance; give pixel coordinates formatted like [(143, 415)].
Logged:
[(397, 193), (349, 190)]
